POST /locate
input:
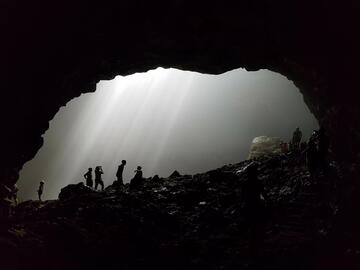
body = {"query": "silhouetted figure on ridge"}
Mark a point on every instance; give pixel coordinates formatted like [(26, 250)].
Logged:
[(98, 180), (254, 208), (88, 178), (138, 178), (119, 173), (296, 139), (40, 189)]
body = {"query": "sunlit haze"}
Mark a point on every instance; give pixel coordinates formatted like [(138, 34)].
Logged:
[(164, 120)]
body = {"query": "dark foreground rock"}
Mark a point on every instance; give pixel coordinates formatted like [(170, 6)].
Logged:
[(184, 222)]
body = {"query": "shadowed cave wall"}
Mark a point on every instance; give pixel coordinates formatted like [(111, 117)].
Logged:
[(53, 52)]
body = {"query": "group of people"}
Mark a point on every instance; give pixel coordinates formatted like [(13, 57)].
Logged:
[(135, 182), (314, 152), (295, 144), (254, 207), (98, 179)]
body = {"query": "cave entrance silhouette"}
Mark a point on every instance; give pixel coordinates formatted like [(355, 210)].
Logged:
[(165, 120)]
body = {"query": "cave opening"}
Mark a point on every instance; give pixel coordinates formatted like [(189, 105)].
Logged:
[(55, 53), (165, 120)]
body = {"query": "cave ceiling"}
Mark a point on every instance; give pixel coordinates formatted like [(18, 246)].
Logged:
[(53, 52)]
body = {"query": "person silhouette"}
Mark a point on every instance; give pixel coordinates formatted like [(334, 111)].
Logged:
[(296, 139), (40, 189), (136, 181), (98, 181), (88, 178), (120, 172)]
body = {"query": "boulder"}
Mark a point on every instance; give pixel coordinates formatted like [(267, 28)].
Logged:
[(74, 190), (264, 145), (175, 174)]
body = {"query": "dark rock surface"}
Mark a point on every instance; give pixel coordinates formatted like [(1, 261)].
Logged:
[(53, 53), (189, 222)]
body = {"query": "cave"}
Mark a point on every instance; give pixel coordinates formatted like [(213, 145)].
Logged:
[(54, 53), (193, 123), (63, 52)]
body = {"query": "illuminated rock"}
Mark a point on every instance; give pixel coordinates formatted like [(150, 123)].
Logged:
[(264, 145)]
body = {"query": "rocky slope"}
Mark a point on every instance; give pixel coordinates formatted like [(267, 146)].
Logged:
[(184, 222)]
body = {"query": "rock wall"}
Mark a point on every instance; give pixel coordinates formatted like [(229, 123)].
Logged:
[(52, 52)]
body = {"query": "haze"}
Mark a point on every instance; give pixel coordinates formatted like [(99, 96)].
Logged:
[(164, 120)]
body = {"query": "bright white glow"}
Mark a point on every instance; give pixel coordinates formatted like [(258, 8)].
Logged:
[(163, 120)]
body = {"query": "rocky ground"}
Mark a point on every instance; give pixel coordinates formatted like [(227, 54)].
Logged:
[(182, 222)]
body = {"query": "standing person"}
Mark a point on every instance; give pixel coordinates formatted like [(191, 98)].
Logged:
[(40, 189), (120, 172), (136, 181), (88, 178), (98, 181), (296, 139)]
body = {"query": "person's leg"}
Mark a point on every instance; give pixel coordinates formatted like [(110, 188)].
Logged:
[(120, 180), (102, 185)]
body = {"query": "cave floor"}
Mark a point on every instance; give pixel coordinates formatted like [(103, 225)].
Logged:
[(181, 222)]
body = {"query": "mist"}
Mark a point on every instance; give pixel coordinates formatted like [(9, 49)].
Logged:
[(164, 120)]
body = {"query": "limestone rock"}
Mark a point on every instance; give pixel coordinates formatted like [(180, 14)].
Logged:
[(264, 145)]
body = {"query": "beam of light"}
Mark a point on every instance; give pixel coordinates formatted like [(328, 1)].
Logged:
[(163, 120), (173, 115)]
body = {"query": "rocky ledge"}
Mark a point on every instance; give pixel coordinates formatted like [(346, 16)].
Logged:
[(182, 222)]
